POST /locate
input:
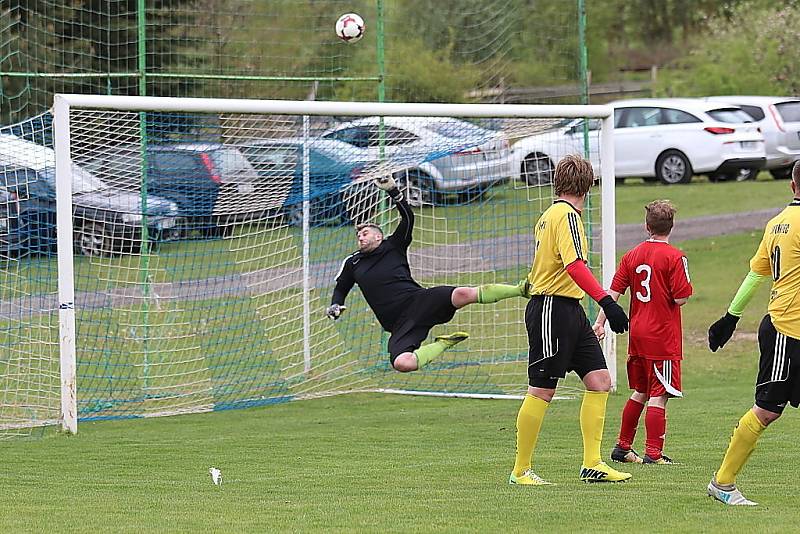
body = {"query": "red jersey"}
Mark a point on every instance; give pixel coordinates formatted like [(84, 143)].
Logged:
[(657, 273)]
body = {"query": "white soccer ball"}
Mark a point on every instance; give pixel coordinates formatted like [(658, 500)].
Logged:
[(350, 27)]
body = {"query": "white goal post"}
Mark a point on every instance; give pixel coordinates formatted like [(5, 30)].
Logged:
[(155, 366)]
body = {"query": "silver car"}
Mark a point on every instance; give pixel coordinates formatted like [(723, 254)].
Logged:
[(430, 157), (779, 120)]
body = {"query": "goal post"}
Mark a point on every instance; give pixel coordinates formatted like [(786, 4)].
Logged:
[(217, 302)]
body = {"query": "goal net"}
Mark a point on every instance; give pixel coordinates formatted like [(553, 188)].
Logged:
[(199, 240)]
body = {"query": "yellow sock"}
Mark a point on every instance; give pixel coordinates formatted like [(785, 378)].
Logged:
[(529, 423), (743, 442), (593, 418)]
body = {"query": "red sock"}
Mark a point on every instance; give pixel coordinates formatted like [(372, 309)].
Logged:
[(630, 421), (655, 424)]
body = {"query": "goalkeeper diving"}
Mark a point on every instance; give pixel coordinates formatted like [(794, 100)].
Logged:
[(403, 307)]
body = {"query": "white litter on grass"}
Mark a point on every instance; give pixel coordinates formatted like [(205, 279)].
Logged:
[(216, 476)]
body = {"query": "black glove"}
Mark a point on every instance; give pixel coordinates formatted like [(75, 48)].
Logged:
[(334, 311), (720, 332), (615, 314)]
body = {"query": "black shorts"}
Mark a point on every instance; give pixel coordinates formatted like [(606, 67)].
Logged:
[(778, 369), (560, 339), (425, 309)]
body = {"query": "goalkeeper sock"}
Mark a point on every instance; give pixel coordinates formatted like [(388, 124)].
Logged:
[(529, 423), (489, 293), (593, 418), (743, 442), (428, 352)]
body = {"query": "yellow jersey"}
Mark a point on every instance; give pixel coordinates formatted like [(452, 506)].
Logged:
[(559, 240), (778, 256)]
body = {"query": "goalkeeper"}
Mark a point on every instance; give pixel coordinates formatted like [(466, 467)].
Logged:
[(403, 307)]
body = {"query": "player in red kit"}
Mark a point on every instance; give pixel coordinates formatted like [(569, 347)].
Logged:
[(658, 276)]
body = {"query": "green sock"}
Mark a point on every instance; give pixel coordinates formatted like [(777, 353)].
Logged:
[(490, 293), (428, 352)]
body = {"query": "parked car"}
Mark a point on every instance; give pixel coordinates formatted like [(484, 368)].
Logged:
[(666, 139), (779, 120), (106, 220), (435, 156), (535, 157), (213, 185), (333, 166)]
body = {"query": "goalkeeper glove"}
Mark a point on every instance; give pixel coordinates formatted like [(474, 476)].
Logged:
[(615, 314), (721, 331), (335, 310), (385, 182)]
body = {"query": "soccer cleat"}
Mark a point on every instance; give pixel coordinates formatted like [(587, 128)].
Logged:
[(625, 456), (728, 494), (528, 478), (602, 473), (452, 339), (664, 460)]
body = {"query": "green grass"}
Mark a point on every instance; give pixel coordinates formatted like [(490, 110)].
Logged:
[(410, 464)]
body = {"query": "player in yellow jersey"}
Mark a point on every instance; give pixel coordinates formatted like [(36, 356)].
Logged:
[(778, 382), (560, 337)]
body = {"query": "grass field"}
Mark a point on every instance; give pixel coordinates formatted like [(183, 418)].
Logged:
[(410, 464)]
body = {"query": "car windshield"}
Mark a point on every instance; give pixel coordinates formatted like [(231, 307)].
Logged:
[(82, 180), (455, 129), (734, 115), (789, 111), (230, 161)]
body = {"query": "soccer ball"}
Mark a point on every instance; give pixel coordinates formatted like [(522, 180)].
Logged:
[(350, 27)]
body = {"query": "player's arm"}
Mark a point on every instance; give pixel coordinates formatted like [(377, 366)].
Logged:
[(570, 240), (344, 283), (721, 331), (679, 282), (401, 236), (585, 280), (599, 326)]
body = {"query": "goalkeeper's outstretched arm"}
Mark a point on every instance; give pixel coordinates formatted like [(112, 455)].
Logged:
[(402, 235)]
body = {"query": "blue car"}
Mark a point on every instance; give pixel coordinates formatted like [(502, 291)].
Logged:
[(106, 220), (333, 167)]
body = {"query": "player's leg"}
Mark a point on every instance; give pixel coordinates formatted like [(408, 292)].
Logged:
[(664, 378), (589, 363), (541, 367), (773, 390), (487, 293), (623, 450)]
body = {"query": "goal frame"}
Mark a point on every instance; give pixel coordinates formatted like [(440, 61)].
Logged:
[(63, 103)]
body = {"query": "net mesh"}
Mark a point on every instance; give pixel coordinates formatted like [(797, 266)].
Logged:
[(462, 50), (198, 288)]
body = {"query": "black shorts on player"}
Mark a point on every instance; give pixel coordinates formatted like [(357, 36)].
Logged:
[(560, 340), (778, 369), (425, 309)]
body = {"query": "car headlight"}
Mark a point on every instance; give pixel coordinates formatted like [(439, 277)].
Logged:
[(131, 218)]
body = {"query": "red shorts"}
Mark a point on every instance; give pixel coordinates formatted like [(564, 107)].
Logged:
[(655, 378)]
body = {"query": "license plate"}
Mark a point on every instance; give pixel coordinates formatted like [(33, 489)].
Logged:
[(748, 145), (247, 189)]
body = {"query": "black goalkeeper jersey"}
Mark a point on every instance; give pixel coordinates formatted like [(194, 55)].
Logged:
[(383, 275)]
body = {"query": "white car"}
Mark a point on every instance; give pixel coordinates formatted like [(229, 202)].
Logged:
[(434, 156), (666, 139), (779, 120)]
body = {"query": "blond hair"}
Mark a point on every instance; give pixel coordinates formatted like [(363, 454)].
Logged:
[(574, 176), (660, 215)]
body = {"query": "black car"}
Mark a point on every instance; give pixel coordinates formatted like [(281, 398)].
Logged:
[(106, 220), (213, 185)]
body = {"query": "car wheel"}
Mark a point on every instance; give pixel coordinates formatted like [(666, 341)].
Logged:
[(782, 173), (417, 188), (537, 169), (673, 167), (92, 239)]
